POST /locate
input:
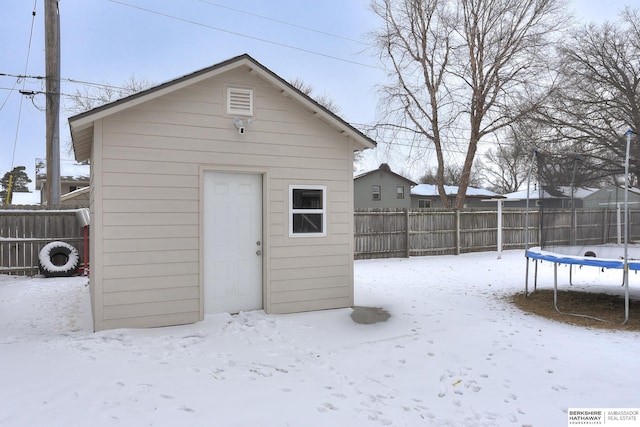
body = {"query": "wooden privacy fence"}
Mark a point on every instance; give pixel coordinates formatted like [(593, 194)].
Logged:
[(404, 233), (24, 232), (377, 234)]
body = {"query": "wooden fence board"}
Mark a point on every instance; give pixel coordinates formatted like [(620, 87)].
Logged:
[(450, 232), (23, 233), (377, 234)]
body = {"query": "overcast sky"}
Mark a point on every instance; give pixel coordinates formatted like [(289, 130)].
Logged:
[(106, 41)]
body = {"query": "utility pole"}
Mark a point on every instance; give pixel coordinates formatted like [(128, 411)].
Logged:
[(52, 69)]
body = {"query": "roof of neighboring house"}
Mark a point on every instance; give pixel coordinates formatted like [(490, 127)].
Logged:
[(383, 168), (82, 124), (557, 193), (430, 190), (79, 197), (69, 169), (80, 192), (632, 190)]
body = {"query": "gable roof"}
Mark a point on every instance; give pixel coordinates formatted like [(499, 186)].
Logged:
[(82, 124), (632, 190), (384, 168)]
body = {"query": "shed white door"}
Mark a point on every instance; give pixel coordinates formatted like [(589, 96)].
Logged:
[(232, 242)]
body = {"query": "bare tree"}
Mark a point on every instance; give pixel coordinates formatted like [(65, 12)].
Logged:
[(452, 176), (325, 100), (90, 97), (93, 96), (598, 97), (505, 166), (463, 69)]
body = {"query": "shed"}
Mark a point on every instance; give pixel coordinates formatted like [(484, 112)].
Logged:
[(222, 191)]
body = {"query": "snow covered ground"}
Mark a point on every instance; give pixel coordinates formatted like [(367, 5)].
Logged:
[(453, 353)]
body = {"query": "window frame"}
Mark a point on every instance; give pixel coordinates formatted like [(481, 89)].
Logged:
[(374, 192), (424, 201), (400, 192), (322, 211)]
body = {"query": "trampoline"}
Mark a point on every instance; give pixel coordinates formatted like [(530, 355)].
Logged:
[(571, 233), (602, 256)]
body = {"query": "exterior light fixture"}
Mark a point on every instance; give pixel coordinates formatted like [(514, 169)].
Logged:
[(241, 124)]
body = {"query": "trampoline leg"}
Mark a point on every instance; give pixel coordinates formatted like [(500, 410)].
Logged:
[(526, 279), (626, 293), (570, 275), (535, 277), (555, 286)]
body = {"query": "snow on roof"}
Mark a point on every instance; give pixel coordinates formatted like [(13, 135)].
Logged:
[(450, 190), (68, 168), (25, 198), (580, 193)]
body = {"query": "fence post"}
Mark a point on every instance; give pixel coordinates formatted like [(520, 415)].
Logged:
[(605, 226), (406, 222), (499, 230), (457, 232)]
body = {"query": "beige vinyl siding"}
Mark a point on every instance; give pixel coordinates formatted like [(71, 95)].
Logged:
[(165, 318), (148, 177)]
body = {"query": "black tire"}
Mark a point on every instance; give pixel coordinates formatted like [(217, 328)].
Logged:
[(58, 259)]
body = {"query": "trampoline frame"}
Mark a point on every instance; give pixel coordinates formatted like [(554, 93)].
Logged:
[(624, 263), (537, 254)]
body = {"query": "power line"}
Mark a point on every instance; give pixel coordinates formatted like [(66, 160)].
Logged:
[(69, 80), (33, 14), (26, 67), (188, 21), (284, 22)]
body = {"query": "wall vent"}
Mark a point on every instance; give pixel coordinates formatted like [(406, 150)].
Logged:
[(239, 101)]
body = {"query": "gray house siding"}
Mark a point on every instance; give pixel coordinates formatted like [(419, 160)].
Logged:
[(382, 189), (610, 197)]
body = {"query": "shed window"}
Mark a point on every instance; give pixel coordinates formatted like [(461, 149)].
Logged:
[(239, 101), (375, 192), (307, 210), (400, 192)]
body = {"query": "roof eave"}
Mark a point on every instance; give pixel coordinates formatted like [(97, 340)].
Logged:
[(81, 125)]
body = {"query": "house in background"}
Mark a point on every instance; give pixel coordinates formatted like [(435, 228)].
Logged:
[(610, 197), (76, 199), (225, 190), (381, 188), (73, 176), (425, 196), (554, 198)]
